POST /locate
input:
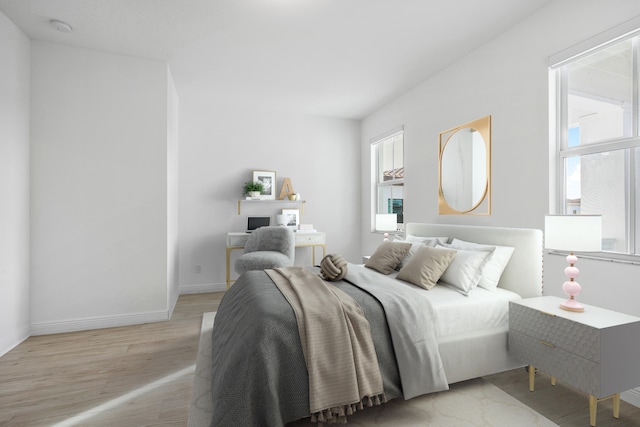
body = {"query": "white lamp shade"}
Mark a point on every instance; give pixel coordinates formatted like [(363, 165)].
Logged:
[(387, 222), (581, 233)]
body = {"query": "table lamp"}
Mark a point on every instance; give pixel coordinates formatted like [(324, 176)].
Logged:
[(386, 222), (582, 233)]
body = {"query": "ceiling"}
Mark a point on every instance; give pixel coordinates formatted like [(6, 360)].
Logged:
[(335, 58)]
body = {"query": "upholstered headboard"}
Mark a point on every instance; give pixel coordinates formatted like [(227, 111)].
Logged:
[(523, 274)]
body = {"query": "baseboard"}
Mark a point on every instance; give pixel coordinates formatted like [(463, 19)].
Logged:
[(9, 343), (632, 397), (45, 328), (202, 288)]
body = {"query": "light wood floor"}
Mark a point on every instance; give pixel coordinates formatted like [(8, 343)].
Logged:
[(137, 375), (142, 376)]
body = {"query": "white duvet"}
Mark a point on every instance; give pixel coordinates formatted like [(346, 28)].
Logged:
[(418, 319), (411, 322)]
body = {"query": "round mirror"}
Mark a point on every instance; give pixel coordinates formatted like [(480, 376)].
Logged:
[(464, 167)]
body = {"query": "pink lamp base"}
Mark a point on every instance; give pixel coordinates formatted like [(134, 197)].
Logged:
[(571, 287), (572, 305)]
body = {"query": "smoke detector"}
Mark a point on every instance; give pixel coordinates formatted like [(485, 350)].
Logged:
[(61, 26)]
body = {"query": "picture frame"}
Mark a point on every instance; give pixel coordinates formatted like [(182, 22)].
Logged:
[(268, 180), (292, 218)]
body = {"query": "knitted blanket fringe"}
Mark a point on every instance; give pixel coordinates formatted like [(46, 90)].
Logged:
[(338, 414)]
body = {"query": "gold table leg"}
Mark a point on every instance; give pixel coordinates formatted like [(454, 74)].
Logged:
[(532, 377), (593, 410), (593, 407), (616, 405)]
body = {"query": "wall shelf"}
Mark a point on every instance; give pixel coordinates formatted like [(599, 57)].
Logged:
[(282, 202)]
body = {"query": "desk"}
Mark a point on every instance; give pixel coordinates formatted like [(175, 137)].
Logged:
[(237, 240)]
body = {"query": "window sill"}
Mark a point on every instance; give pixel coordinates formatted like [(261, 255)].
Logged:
[(602, 256)]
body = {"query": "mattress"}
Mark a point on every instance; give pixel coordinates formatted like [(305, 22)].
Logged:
[(460, 314)]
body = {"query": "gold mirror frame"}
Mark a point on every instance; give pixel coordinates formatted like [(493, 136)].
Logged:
[(483, 205)]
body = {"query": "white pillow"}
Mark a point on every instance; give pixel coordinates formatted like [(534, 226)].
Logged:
[(495, 265), (419, 239), (465, 270)]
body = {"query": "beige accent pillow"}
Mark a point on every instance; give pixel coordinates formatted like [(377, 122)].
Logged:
[(388, 256), (426, 266)]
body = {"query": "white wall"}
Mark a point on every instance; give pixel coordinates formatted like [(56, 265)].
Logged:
[(219, 149), (508, 79), (99, 189), (14, 185), (173, 185)]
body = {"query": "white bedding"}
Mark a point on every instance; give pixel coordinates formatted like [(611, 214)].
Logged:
[(411, 322), (483, 351), (481, 309)]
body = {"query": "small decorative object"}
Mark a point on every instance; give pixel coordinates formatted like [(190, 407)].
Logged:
[(292, 218), (281, 220), (268, 180), (306, 228), (286, 190), (292, 197), (253, 189), (573, 233), (333, 267)]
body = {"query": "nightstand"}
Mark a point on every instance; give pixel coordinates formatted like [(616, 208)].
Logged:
[(596, 352)]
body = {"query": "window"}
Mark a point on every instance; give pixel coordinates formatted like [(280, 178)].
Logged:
[(387, 157), (597, 140)]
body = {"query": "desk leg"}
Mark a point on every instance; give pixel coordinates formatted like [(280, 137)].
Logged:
[(313, 253), (616, 405)]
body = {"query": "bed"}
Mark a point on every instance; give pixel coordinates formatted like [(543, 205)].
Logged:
[(259, 376)]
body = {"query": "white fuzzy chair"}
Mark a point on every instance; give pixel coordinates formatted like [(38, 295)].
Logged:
[(267, 247)]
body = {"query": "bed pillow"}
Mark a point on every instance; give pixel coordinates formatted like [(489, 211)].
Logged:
[(420, 239), (387, 257), (416, 243), (426, 266), (498, 260), (412, 251), (465, 270)]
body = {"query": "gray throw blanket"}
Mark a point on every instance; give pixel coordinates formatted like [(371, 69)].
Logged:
[(336, 343), (410, 317), (259, 375)]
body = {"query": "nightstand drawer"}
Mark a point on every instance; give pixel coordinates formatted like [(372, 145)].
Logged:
[(575, 370), (574, 337), (310, 238)]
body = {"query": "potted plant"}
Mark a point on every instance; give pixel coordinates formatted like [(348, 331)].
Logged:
[(252, 188)]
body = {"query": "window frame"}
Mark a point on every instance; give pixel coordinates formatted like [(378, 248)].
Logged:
[(558, 72), (376, 184)]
